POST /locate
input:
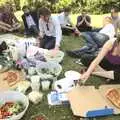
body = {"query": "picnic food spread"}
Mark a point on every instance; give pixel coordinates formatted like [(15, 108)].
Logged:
[(9, 109), (114, 96)]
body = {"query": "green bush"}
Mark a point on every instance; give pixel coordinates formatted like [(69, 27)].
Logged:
[(92, 6)]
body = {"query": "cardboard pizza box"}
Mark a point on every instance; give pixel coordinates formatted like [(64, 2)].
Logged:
[(5, 85), (103, 89), (86, 101)]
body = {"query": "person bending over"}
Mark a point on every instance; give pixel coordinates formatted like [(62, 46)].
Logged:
[(108, 58), (95, 40), (50, 30)]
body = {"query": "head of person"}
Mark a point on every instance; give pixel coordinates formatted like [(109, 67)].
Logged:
[(67, 11), (83, 12), (114, 12), (107, 20), (26, 10), (44, 14)]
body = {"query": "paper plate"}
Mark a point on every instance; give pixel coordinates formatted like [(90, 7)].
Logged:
[(72, 75)]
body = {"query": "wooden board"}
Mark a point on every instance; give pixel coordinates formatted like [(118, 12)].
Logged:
[(86, 98)]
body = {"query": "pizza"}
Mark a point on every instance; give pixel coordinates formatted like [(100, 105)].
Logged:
[(113, 95), (11, 78)]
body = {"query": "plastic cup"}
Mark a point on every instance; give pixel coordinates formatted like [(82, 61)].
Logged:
[(35, 83)]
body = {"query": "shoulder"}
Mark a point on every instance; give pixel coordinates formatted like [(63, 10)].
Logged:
[(109, 44)]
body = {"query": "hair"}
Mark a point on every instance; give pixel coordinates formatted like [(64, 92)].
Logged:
[(44, 11), (25, 7), (67, 9), (115, 9), (84, 10), (3, 46), (109, 19)]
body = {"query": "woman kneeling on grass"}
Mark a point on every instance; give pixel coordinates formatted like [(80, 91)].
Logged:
[(108, 58)]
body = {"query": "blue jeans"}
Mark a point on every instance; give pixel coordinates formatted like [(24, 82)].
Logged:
[(94, 39)]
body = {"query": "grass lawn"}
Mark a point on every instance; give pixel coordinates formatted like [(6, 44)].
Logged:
[(64, 112)]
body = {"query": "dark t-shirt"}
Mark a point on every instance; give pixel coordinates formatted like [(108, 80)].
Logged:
[(79, 19)]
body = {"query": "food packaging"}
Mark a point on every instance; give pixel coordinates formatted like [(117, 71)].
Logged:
[(35, 97)]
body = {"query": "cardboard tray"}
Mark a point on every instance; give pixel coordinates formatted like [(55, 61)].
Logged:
[(86, 101)]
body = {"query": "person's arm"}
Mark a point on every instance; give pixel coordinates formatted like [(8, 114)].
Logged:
[(5, 26), (107, 47), (58, 32), (69, 21), (41, 33), (80, 20), (25, 23), (88, 20)]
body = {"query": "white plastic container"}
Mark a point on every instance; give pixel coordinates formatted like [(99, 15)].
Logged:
[(35, 83), (15, 96)]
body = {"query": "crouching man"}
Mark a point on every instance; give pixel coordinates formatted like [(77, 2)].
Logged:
[(50, 31)]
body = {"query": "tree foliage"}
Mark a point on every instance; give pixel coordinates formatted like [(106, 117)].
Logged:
[(92, 6)]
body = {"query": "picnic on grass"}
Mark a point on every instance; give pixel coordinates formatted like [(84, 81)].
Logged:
[(50, 66)]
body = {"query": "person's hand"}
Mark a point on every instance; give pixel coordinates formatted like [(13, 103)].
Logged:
[(54, 51), (85, 76)]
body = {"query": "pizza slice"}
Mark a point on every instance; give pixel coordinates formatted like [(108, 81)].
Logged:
[(113, 95)]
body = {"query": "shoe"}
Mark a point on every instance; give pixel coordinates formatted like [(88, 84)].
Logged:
[(73, 54)]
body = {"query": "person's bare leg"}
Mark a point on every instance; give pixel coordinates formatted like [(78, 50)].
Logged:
[(103, 73)]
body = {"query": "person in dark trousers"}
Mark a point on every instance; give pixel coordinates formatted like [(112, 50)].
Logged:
[(84, 22), (108, 58), (30, 19), (50, 30)]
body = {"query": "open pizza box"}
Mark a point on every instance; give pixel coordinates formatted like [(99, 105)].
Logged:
[(87, 101), (5, 84)]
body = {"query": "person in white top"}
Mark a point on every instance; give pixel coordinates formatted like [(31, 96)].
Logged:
[(116, 19), (50, 30), (65, 22), (95, 40)]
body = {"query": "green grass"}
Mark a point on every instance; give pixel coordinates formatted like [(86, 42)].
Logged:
[(64, 112)]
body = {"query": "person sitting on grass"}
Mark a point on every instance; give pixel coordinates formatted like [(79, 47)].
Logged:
[(8, 21), (84, 22), (65, 22), (50, 30), (30, 19), (108, 58), (115, 18), (95, 40)]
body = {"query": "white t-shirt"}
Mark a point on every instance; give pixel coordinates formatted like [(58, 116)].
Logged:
[(108, 30), (64, 20), (54, 28)]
